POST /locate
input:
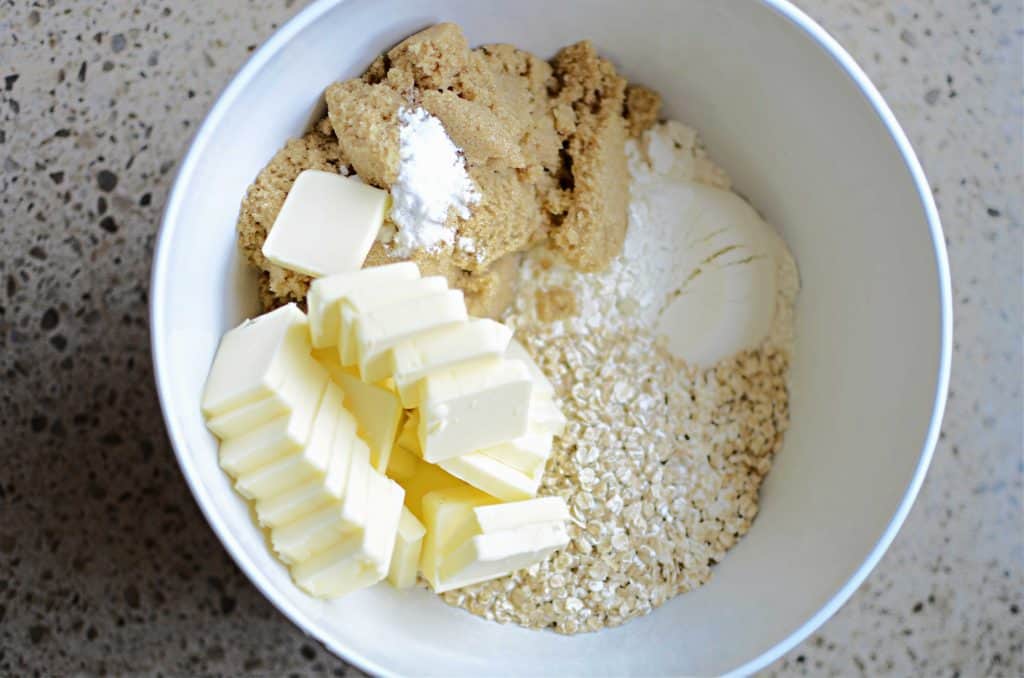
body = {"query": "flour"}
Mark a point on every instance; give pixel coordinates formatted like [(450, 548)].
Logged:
[(660, 258), (432, 183)]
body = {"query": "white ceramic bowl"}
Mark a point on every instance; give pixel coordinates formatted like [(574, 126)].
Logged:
[(808, 140)]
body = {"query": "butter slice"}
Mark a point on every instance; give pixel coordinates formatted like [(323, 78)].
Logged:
[(359, 560), (526, 453), (448, 518), (241, 420), (378, 412), (402, 464), (545, 415), (516, 514), (309, 463), (470, 538), (364, 299), (378, 330), (516, 351), (491, 555), (473, 407), (493, 477), (316, 493), (281, 436), (253, 360), (325, 295), (321, 529), (327, 224), (413, 359), (405, 561)]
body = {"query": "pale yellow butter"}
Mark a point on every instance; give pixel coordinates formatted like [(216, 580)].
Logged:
[(408, 543), (526, 453), (469, 408), (308, 463), (316, 493), (448, 518), (359, 560), (326, 225), (365, 299), (378, 330), (284, 435), (492, 476), (471, 538), (325, 295), (378, 412), (516, 351), (491, 555), (319, 530), (413, 359), (253, 360)]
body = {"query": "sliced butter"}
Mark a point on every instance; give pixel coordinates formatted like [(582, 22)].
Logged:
[(358, 560), (491, 555), (470, 408), (413, 359), (281, 436), (378, 412), (317, 493), (516, 351), (321, 529), (448, 518), (327, 224), (405, 561), (493, 477), (526, 453), (378, 330), (308, 463), (365, 299), (253, 360), (326, 294)]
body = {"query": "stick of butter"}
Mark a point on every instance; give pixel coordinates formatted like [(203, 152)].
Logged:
[(325, 295), (378, 330), (408, 543), (316, 493), (327, 224), (253, 360), (378, 412), (471, 539), (516, 351), (448, 518), (526, 453), (284, 435), (359, 560), (365, 299), (472, 407), (313, 533), (309, 463), (492, 476), (486, 556), (413, 359)]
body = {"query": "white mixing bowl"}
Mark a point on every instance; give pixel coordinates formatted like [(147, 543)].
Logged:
[(807, 139)]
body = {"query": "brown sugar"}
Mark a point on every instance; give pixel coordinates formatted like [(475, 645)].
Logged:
[(543, 143), (643, 107)]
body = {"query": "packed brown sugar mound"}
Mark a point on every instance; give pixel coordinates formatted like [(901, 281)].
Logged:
[(544, 143)]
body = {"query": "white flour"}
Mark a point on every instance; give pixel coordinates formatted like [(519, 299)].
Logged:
[(657, 259), (432, 181)]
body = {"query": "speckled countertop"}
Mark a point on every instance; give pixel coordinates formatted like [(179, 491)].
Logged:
[(106, 564)]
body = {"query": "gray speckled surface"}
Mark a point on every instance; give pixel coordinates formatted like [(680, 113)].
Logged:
[(106, 564)]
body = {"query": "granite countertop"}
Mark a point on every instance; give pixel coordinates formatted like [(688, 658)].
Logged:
[(106, 564)]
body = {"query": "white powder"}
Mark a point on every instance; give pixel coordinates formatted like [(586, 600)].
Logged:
[(657, 259), (432, 182)]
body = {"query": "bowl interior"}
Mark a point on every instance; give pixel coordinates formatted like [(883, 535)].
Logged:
[(808, 149)]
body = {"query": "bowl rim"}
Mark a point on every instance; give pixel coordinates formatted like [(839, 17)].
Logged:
[(312, 13)]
